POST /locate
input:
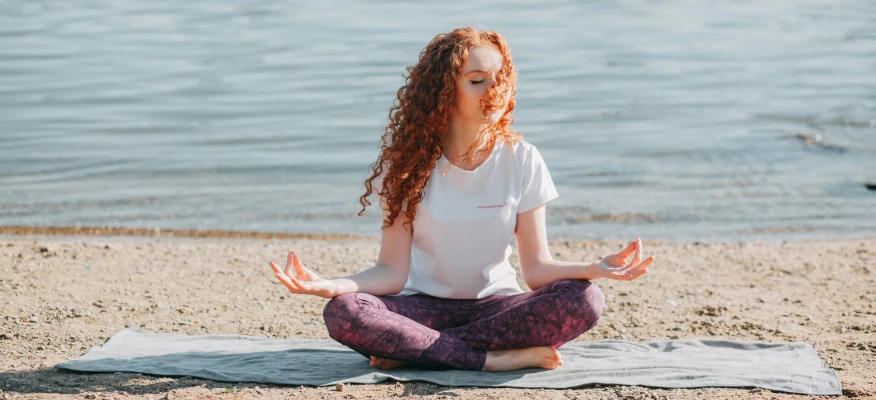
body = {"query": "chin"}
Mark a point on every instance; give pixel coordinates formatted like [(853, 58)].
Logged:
[(492, 119)]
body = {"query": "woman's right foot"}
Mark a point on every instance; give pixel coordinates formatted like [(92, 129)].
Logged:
[(509, 360), (386, 363)]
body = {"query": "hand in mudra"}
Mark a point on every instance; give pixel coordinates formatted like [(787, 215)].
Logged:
[(301, 280), (616, 266)]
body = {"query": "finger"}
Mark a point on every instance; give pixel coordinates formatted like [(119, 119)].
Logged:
[(624, 276), (290, 263), (647, 262), (638, 274), (628, 250), (636, 267), (637, 257), (299, 268), (298, 285), (287, 282), (293, 284), (275, 267)]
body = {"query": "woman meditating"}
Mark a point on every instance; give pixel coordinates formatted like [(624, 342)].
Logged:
[(456, 184)]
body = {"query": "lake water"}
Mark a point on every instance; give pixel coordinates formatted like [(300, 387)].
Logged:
[(677, 120)]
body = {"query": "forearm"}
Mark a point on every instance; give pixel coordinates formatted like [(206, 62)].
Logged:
[(546, 271), (378, 280)]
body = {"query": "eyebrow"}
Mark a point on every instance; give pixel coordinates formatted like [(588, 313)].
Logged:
[(476, 71), (480, 70)]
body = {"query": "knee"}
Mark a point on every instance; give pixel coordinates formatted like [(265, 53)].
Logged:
[(339, 314), (583, 300)]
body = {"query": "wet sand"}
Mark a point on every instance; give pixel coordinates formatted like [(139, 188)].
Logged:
[(64, 292)]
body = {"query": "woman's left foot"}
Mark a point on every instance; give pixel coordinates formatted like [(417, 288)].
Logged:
[(510, 360), (386, 363)]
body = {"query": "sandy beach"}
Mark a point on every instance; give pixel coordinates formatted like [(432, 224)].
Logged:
[(63, 294)]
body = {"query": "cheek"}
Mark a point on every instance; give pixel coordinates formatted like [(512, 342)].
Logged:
[(469, 97)]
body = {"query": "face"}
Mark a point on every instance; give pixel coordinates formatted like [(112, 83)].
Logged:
[(478, 74)]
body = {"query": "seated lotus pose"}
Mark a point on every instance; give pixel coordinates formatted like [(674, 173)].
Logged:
[(456, 184)]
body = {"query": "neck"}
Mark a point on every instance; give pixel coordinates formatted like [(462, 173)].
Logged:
[(461, 135)]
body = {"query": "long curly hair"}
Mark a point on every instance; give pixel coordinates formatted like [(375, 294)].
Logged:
[(418, 119)]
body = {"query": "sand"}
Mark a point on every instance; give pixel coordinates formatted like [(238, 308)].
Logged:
[(62, 295)]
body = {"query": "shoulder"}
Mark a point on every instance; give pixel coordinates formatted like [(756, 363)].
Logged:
[(526, 154), (522, 149)]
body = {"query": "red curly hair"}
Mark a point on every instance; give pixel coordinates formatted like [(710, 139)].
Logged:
[(418, 119)]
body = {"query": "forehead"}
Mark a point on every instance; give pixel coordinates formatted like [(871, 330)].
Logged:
[(483, 58)]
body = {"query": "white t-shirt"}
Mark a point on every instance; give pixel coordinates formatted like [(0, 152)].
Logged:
[(464, 225)]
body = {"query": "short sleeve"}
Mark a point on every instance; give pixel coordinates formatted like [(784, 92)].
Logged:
[(538, 187)]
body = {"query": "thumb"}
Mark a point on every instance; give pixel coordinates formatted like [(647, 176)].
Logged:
[(300, 269)]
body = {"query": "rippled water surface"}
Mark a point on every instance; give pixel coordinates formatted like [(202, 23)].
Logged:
[(667, 120)]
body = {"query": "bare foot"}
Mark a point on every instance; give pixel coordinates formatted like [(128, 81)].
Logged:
[(386, 363), (509, 360)]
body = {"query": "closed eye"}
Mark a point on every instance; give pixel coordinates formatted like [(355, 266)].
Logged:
[(477, 82)]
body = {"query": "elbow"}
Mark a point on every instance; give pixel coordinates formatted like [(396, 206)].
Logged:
[(398, 283), (389, 279), (536, 272), (397, 288), (531, 280), (533, 284)]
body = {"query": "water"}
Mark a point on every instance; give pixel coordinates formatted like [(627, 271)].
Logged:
[(672, 121)]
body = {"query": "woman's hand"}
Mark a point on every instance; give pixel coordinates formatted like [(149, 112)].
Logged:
[(304, 280), (616, 267)]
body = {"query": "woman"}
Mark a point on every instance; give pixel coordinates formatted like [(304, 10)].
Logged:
[(456, 184)]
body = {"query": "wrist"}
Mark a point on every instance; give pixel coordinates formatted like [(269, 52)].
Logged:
[(591, 272), (332, 291), (338, 287)]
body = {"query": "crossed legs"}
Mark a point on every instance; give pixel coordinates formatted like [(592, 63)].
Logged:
[(459, 334)]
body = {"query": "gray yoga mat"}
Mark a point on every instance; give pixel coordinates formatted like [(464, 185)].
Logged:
[(784, 367)]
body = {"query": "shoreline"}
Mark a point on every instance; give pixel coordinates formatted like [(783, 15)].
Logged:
[(49, 232)]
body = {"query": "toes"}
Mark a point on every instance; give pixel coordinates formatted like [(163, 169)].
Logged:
[(558, 360)]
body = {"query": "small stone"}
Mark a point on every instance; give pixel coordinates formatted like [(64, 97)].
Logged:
[(40, 348), (167, 396), (339, 387)]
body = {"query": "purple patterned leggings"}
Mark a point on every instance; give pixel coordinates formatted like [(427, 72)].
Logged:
[(451, 333)]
